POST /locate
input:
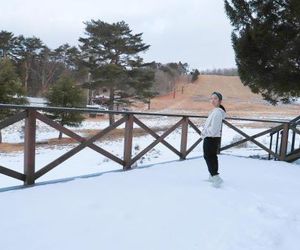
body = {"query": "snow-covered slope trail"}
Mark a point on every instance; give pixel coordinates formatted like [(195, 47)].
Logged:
[(162, 207)]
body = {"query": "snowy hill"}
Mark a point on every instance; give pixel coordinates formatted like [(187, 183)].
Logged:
[(166, 206)]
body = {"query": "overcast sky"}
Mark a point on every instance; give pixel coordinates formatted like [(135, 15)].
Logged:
[(193, 31)]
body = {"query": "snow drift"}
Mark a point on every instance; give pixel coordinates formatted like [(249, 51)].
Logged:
[(166, 206)]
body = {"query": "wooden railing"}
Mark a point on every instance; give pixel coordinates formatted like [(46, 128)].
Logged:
[(31, 114), (281, 142)]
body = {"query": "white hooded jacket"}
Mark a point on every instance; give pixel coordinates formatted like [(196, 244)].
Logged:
[(213, 123)]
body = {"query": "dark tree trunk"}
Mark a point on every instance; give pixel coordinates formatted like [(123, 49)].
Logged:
[(26, 76), (62, 124), (60, 135), (90, 96), (111, 105)]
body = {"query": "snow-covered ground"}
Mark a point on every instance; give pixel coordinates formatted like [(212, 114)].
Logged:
[(162, 206), (297, 101), (37, 101), (15, 132), (88, 202)]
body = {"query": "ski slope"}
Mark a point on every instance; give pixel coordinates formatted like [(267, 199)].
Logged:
[(166, 206)]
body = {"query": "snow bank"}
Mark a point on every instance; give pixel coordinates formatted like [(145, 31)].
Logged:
[(163, 206), (37, 101)]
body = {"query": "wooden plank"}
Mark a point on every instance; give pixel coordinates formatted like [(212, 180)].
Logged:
[(86, 110), (270, 147), (284, 141), (220, 141), (295, 130), (155, 135), (296, 119), (198, 141), (12, 173), (128, 142), (193, 146), (276, 147), (13, 119), (293, 156), (293, 141), (194, 127), (77, 137), (29, 147), (276, 129), (184, 135), (249, 138), (153, 144), (77, 149)]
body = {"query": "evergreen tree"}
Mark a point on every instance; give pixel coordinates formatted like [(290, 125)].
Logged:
[(65, 93), (27, 51), (11, 90), (266, 42), (141, 82), (68, 56), (195, 73), (7, 44), (45, 71), (111, 52)]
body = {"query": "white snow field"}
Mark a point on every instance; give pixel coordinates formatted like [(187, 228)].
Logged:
[(166, 206)]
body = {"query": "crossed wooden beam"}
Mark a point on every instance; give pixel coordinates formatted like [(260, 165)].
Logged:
[(252, 138), (32, 115), (3, 124)]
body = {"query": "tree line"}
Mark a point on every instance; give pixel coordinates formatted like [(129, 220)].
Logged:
[(220, 71), (108, 56)]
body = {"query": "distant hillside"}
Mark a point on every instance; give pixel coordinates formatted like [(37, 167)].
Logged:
[(229, 86), (238, 99)]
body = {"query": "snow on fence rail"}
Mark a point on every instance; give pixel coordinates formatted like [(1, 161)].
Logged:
[(31, 114)]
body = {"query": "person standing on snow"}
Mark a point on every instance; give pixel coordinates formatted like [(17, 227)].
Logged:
[(211, 135)]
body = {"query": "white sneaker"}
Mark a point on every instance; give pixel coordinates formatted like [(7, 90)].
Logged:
[(216, 181), (209, 178)]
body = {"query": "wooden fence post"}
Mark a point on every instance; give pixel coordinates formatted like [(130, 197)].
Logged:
[(293, 141), (29, 147), (270, 146), (219, 144), (128, 142), (184, 134), (284, 141)]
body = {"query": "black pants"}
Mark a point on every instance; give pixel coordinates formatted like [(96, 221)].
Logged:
[(210, 150)]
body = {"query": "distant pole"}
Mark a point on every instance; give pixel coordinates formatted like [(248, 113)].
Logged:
[(174, 92), (90, 89)]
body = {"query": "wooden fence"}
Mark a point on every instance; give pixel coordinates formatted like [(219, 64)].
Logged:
[(32, 114)]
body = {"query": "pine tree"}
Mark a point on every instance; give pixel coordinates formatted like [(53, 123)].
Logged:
[(65, 93), (195, 73), (141, 82), (27, 50), (11, 90), (111, 52), (69, 58), (266, 42), (7, 44)]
